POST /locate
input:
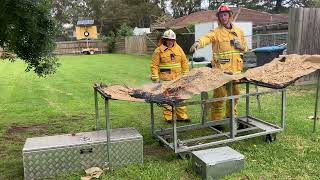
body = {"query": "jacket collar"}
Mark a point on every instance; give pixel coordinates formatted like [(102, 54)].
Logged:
[(232, 30), (164, 48), (223, 27)]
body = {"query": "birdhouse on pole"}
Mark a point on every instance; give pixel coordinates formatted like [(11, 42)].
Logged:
[(86, 29)]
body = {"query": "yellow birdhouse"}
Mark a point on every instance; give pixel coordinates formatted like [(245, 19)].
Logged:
[(86, 29)]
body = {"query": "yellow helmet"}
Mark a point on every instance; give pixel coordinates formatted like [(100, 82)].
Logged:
[(169, 34)]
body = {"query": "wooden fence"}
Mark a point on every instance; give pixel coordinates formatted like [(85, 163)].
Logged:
[(304, 31), (140, 45), (120, 45), (75, 47), (309, 79), (304, 34), (136, 45)]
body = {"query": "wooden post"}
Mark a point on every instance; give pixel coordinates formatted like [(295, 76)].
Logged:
[(303, 28)]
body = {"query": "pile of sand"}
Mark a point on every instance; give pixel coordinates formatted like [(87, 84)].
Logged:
[(278, 73), (196, 81), (120, 92), (284, 70)]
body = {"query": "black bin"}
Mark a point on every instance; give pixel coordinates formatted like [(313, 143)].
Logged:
[(267, 54)]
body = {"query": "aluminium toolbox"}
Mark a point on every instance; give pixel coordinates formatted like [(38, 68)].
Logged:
[(53, 155), (217, 162)]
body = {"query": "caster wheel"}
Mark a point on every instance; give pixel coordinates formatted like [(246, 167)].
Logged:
[(161, 143), (184, 155), (168, 138), (242, 126), (270, 138)]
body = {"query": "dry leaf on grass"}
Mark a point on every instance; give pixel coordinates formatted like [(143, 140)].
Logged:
[(93, 172), (86, 178), (312, 117)]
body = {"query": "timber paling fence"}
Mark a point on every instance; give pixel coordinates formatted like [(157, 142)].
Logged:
[(304, 35), (75, 47), (140, 45)]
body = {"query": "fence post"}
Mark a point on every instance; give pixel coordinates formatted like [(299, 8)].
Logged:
[(274, 39)]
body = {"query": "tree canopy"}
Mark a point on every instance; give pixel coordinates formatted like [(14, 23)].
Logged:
[(185, 7), (108, 14), (272, 6), (28, 30)]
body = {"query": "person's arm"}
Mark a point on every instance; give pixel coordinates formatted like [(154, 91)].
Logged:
[(155, 66), (207, 39), (184, 63), (203, 41)]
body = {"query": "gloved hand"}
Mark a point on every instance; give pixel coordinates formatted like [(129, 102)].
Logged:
[(194, 47), (237, 44)]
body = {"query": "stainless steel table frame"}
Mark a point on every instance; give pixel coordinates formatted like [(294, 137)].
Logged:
[(252, 123), (180, 146)]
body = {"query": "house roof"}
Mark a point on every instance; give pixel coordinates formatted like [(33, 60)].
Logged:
[(241, 14), (85, 22)]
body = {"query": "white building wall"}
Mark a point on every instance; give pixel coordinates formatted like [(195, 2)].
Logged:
[(141, 31), (200, 30), (203, 28)]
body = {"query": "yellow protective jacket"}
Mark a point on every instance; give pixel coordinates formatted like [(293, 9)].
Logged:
[(168, 63), (225, 56)]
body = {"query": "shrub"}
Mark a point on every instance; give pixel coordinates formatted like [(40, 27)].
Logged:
[(125, 30), (110, 40)]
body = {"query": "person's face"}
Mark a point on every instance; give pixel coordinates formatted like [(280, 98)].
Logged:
[(224, 17), (170, 43)]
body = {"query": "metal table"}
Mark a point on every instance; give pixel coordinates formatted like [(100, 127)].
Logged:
[(182, 146)]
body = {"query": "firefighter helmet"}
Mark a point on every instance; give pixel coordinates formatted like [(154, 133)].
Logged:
[(223, 8), (169, 34)]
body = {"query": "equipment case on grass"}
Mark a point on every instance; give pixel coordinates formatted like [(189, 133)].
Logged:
[(217, 162), (53, 155)]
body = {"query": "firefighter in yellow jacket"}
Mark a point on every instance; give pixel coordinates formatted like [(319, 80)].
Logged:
[(168, 63), (227, 43)]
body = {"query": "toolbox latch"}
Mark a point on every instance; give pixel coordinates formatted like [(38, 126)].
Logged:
[(86, 150)]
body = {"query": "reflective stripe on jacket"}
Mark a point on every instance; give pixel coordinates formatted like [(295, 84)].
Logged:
[(168, 63)]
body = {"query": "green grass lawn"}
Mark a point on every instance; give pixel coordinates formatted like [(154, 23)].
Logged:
[(63, 103)]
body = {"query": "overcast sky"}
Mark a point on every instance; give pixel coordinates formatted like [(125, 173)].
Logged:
[(205, 4)]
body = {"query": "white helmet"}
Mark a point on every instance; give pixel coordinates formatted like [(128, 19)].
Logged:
[(169, 34)]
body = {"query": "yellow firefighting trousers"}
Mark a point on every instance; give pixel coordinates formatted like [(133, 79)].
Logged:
[(181, 113), (217, 107)]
